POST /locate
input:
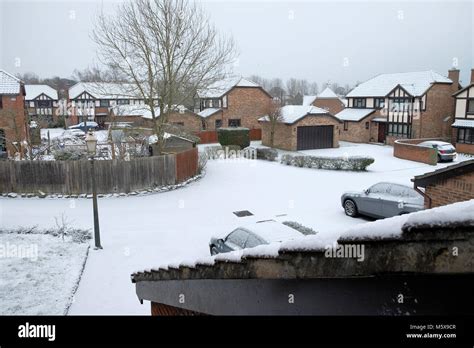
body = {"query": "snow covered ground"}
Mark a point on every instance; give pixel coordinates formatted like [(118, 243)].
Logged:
[(143, 232), (43, 279)]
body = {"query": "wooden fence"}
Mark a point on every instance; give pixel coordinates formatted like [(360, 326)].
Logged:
[(115, 176)]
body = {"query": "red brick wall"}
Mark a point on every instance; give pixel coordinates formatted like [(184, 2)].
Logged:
[(407, 149), (13, 120), (358, 133), (159, 309), (452, 190), (465, 148), (332, 105)]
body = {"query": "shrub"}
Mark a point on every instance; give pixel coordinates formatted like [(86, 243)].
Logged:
[(202, 162), (331, 163), (267, 154), (69, 155), (234, 136)]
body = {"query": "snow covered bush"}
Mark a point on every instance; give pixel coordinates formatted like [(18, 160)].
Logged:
[(234, 136), (355, 163), (202, 162), (69, 155), (300, 228), (267, 154)]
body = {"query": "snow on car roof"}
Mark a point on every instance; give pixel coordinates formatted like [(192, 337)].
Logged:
[(273, 231), (415, 83), (435, 142)]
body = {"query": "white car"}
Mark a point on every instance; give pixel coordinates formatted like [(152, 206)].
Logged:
[(446, 151)]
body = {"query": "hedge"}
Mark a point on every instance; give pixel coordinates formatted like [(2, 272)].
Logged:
[(234, 136), (355, 163)]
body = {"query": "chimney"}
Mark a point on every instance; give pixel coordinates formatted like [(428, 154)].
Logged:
[(453, 75)]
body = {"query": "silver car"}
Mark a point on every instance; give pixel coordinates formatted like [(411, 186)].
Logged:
[(382, 200), (446, 151)]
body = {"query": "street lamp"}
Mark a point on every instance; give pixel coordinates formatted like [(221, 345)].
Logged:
[(91, 144)]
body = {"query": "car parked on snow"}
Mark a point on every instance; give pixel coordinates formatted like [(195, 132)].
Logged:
[(86, 126), (382, 200), (446, 151), (260, 233)]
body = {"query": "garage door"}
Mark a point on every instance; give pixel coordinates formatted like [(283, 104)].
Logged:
[(314, 137)]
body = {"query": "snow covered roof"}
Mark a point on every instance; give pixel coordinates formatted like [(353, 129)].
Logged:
[(208, 112), (273, 231), (9, 84), (103, 90), (354, 115), (461, 168), (293, 113), (328, 93), (220, 88), (379, 119), (415, 83), (308, 100), (34, 91), (141, 110), (463, 123)]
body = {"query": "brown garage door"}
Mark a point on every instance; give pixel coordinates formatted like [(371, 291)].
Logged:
[(314, 137)]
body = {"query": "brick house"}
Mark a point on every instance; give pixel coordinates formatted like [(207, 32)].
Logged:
[(407, 105), (13, 121), (93, 100), (234, 102), (181, 118), (41, 103), (357, 124), (327, 99), (447, 185), (463, 126), (302, 128)]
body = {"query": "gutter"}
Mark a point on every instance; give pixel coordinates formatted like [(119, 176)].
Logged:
[(425, 196)]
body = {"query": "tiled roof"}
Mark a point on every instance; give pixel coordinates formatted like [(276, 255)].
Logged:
[(208, 112), (293, 113), (102, 90), (415, 83), (309, 99), (219, 88), (9, 84), (33, 91), (352, 114), (328, 93)]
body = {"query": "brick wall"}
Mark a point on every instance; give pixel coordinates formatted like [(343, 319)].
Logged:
[(282, 137), (13, 120), (408, 149), (211, 121), (358, 133), (452, 190), (332, 105), (465, 148), (248, 105)]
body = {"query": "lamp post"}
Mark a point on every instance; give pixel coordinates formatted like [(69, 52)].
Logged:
[(91, 143)]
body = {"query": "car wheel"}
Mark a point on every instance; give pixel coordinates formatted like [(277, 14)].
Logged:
[(214, 251), (350, 208), (439, 159)]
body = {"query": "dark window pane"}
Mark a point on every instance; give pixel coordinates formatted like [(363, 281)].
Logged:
[(234, 123), (237, 238), (470, 106)]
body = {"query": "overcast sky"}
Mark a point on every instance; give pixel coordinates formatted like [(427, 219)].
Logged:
[(321, 41)]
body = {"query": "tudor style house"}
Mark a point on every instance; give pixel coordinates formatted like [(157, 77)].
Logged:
[(13, 122), (234, 102), (41, 103), (463, 126), (93, 100), (327, 99), (402, 105), (302, 128)]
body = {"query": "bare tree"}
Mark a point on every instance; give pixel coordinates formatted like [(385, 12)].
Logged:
[(274, 117), (167, 49)]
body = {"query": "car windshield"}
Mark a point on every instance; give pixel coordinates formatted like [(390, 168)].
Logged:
[(237, 238)]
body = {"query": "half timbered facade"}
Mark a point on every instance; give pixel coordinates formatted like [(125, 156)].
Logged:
[(41, 103), (463, 126)]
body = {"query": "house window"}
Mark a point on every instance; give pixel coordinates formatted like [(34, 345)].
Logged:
[(234, 122), (44, 103), (203, 125), (104, 103), (218, 124), (346, 125), (3, 140), (470, 106), (367, 125), (400, 104), (359, 102), (379, 103), (466, 135), (123, 102), (398, 129), (1, 101)]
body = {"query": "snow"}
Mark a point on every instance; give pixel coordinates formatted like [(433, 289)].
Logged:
[(308, 100), (34, 91), (353, 114), (139, 232), (219, 88), (328, 93), (292, 113), (463, 123), (415, 83), (44, 282), (208, 112), (9, 84), (273, 231)]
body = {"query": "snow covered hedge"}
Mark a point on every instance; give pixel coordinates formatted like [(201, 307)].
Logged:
[(355, 163)]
